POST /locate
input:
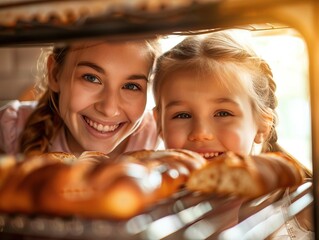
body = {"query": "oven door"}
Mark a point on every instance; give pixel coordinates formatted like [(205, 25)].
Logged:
[(27, 26)]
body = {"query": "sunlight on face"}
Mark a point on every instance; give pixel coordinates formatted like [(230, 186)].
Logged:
[(103, 91), (286, 53), (202, 115)]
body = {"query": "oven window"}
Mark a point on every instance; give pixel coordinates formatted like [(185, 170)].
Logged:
[(284, 50)]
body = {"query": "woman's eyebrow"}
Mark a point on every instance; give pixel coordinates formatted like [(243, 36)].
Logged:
[(101, 70), (91, 65)]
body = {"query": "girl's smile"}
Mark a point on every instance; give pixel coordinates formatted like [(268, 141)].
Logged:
[(209, 155)]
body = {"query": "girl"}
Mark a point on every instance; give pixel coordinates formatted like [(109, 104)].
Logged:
[(93, 97), (215, 95)]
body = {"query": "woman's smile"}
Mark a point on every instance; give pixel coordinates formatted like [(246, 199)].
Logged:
[(101, 127)]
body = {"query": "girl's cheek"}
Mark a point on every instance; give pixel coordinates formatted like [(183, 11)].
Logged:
[(233, 142), (172, 143), (175, 137)]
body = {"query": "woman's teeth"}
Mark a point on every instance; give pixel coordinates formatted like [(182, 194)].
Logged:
[(210, 155), (101, 128)]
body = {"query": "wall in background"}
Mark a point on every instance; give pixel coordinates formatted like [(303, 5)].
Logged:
[(17, 70)]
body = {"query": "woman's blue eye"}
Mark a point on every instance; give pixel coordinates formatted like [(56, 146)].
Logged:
[(132, 86), (91, 78), (223, 114), (182, 115)]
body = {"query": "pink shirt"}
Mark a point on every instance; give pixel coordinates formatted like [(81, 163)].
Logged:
[(13, 117)]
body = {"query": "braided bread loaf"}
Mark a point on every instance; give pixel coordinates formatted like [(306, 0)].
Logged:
[(94, 185), (248, 176), (23, 180)]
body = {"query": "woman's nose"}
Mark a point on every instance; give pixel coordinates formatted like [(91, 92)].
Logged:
[(109, 105), (201, 131)]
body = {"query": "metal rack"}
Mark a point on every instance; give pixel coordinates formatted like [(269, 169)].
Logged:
[(183, 216)]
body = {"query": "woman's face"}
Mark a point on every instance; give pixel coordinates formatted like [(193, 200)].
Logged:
[(102, 94), (203, 116)]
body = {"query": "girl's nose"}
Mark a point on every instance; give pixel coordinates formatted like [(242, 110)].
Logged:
[(201, 131), (108, 105)]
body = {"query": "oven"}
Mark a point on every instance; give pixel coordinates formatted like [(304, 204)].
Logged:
[(28, 25)]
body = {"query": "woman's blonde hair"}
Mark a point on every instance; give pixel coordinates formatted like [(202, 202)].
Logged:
[(45, 121), (218, 54)]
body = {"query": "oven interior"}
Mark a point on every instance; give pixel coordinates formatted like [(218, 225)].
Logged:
[(29, 25)]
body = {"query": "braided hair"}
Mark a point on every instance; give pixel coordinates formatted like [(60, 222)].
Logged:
[(45, 120)]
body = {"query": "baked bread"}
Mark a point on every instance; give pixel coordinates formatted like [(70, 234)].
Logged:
[(64, 157), (248, 176), (7, 163), (25, 179), (118, 188), (69, 12), (13, 196), (174, 166), (95, 186)]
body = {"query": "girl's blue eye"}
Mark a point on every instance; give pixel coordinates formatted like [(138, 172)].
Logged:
[(223, 114), (182, 115), (132, 86), (91, 78)]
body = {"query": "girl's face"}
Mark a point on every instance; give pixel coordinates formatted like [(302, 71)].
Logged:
[(205, 117), (103, 91)]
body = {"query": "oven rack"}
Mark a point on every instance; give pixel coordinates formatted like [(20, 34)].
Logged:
[(182, 216)]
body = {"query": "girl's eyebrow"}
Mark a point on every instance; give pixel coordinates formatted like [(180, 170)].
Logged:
[(101, 70), (225, 100), (218, 100), (172, 104)]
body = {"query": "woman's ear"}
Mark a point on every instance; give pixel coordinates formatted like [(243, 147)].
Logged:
[(158, 121), (52, 75)]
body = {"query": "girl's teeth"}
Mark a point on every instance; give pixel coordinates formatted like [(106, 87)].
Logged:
[(210, 155), (101, 128)]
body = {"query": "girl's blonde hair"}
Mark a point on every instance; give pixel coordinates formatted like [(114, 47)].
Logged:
[(218, 54), (45, 121)]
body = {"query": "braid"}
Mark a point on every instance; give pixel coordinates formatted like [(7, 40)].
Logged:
[(271, 103), (271, 145), (45, 121), (41, 127)]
